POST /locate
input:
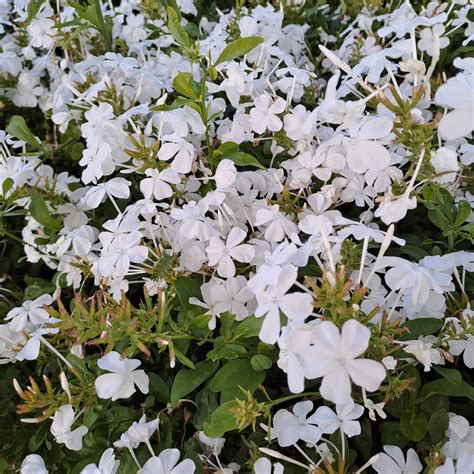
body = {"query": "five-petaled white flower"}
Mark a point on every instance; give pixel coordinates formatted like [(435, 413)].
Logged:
[(30, 312), (121, 382), (222, 255), (335, 358), (61, 429)]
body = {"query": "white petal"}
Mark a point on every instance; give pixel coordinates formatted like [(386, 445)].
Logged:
[(354, 339), (297, 306), (366, 373), (336, 386)]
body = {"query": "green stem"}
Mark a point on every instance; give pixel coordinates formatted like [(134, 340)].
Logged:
[(291, 397)]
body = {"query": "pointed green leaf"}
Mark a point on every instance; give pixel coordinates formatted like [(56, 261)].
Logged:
[(238, 48), (17, 128), (188, 380), (39, 210)]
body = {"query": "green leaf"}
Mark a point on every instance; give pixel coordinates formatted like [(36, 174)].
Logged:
[(249, 327), (434, 403), (186, 288), (244, 159), (438, 424), (17, 128), (7, 185), (176, 30), (221, 421), (188, 380), (39, 210), (463, 212), (392, 434), (234, 376), (184, 360), (260, 362), (92, 14), (185, 85), (445, 387), (158, 388), (421, 327), (452, 375), (414, 425), (207, 403), (238, 48), (33, 9)]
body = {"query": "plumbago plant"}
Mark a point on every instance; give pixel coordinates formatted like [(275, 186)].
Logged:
[(236, 237)]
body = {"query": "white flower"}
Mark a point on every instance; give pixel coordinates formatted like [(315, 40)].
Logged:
[(116, 187), (414, 277), (222, 255), (30, 312), (156, 184), (296, 306), (41, 31), (366, 154), (121, 382), (225, 174), (432, 40), (166, 463), (394, 461), (394, 209), (182, 151), (216, 444), (344, 418), (424, 353), (107, 464), (264, 466), (294, 343), (33, 464), (123, 250), (457, 94), (265, 114), (443, 160), (61, 429), (335, 359), (289, 427)]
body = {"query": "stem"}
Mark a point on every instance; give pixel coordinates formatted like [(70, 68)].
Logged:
[(291, 397)]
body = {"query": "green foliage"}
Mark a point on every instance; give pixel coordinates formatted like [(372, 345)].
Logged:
[(238, 48)]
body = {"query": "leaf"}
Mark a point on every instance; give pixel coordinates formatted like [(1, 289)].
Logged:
[(188, 380), (452, 375), (438, 424), (234, 376), (39, 210), (158, 388), (260, 362), (176, 30), (414, 425), (17, 128), (207, 403), (243, 159), (185, 85), (421, 327), (249, 327), (33, 8), (92, 14), (184, 360), (221, 421), (463, 212), (445, 387), (238, 48), (7, 185), (392, 434), (185, 288)]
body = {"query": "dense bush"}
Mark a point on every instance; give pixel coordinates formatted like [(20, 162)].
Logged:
[(236, 238)]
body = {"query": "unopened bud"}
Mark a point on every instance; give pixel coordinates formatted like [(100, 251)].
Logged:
[(30, 420)]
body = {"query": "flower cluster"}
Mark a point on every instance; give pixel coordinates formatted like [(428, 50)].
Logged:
[(207, 215)]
